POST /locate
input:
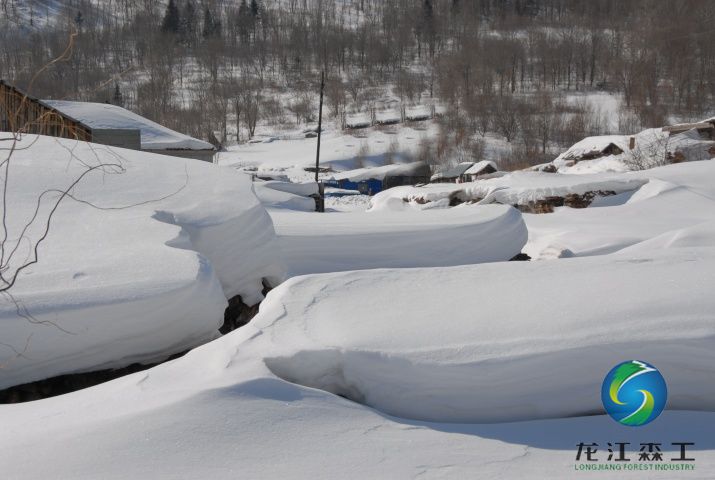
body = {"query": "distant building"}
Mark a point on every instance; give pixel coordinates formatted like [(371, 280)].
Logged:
[(464, 172), (370, 181), (95, 122), (485, 167), (706, 128), (591, 148)]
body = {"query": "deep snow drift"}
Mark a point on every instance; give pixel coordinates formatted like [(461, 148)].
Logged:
[(675, 197), (525, 343), (137, 266), (331, 242), (495, 342)]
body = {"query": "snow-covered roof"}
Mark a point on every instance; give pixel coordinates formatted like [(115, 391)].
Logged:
[(379, 173), (456, 171), (464, 168), (105, 116), (591, 145), (479, 166)]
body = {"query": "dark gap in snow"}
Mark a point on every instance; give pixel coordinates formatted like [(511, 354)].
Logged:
[(572, 200), (238, 314), (52, 387)]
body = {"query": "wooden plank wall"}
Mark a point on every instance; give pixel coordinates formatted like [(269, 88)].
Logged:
[(19, 113)]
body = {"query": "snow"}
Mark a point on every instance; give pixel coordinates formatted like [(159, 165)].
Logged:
[(498, 342), (479, 166), (346, 202), (358, 120), (388, 116), (453, 172), (379, 173), (292, 196), (461, 366), (517, 188), (594, 145), (329, 242), (651, 148), (291, 153), (418, 112), (143, 276), (103, 115), (335, 342), (676, 197)]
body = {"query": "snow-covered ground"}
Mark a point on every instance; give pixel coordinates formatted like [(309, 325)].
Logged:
[(138, 264), (466, 367), (481, 344), (290, 153), (676, 197)]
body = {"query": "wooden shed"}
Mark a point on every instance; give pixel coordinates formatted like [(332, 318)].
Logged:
[(22, 113), (101, 123), (464, 172)]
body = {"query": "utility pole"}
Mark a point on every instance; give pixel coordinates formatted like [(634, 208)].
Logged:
[(320, 123), (321, 191)]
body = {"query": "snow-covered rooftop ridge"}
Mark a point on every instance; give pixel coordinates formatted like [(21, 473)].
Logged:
[(464, 168), (479, 166), (106, 116), (455, 171), (379, 173), (591, 145)]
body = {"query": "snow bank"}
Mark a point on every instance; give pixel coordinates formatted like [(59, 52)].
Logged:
[(316, 243), (104, 115), (518, 188), (500, 341), (138, 267), (287, 195), (676, 197), (496, 342)]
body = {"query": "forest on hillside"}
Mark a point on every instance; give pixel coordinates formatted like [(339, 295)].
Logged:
[(222, 67)]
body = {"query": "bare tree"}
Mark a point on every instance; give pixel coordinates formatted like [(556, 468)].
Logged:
[(506, 117), (650, 151)]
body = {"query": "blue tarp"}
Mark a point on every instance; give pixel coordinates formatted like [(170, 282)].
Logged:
[(366, 187)]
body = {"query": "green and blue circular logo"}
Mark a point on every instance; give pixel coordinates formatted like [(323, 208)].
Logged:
[(634, 393)]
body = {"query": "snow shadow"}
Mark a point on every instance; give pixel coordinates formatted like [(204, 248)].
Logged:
[(395, 389), (566, 433)]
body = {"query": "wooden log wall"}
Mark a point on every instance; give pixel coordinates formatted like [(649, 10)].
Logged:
[(23, 114)]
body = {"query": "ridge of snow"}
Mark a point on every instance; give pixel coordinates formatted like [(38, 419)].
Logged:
[(144, 274)]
